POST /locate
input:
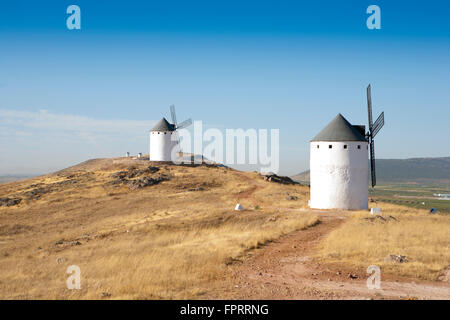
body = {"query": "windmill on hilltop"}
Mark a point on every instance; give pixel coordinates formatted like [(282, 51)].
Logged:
[(164, 137), (339, 163)]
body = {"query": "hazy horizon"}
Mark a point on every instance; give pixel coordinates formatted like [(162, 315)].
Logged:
[(37, 173)]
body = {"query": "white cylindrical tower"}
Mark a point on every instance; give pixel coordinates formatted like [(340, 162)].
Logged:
[(339, 167), (162, 141)]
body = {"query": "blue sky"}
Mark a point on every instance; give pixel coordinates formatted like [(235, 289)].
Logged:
[(69, 95)]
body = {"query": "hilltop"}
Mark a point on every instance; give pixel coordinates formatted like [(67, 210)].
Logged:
[(137, 229)]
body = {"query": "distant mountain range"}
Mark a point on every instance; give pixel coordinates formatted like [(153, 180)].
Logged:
[(431, 170), (11, 178)]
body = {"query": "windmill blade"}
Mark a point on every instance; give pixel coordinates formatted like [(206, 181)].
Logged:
[(372, 164), (184, 124), (178, 144), (173, 114), (379, 123), (369, 107)]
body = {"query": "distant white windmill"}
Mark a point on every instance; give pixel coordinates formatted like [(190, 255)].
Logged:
[(164, 137)]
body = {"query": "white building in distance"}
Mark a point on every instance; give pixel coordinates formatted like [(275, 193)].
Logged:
[(162, 141), (339, 167)]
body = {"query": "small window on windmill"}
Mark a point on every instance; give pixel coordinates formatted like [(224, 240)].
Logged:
[(345, 146), (359, 146), (317, 146), (330, 146)]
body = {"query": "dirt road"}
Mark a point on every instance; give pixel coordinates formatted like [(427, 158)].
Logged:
[(286, 269)]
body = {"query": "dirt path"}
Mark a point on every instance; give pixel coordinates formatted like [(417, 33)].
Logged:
[(285, 269), (248, 194)]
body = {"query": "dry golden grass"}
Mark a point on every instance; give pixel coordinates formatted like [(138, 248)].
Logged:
[(173, 240), (171, 263), (422, 237), (165, 241)]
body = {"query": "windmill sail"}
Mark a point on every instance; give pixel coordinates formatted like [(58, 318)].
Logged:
[(369, 106), (374, 128), (372, 164), (379, 123), (184, 124), (177, 126), (173, 114)]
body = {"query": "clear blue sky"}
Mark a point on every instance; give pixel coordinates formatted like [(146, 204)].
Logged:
[(66, 96)]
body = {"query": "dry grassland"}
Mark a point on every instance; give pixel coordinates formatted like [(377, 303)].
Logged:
[(175, 238), (169, 240), (422, 237)]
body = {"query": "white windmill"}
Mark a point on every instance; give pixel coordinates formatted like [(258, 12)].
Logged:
[(164, 138), (339, 163)]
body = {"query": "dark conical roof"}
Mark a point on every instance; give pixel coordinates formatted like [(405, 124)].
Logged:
[(339, 129), (163, 125)]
